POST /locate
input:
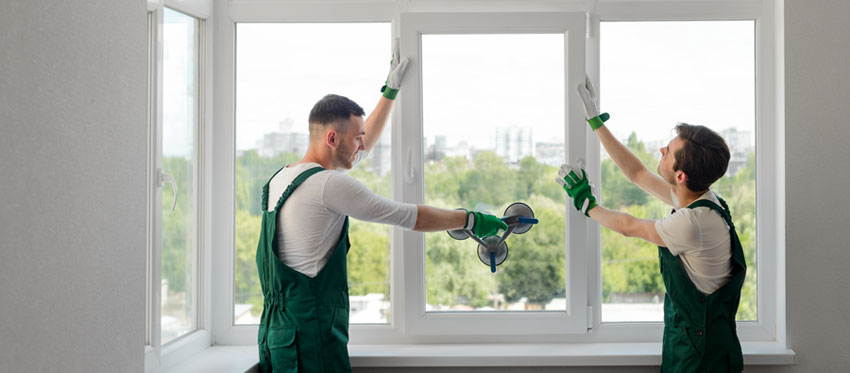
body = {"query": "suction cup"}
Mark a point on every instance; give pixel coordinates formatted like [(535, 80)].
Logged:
[(494, 253), (522, 210), (458, 234)]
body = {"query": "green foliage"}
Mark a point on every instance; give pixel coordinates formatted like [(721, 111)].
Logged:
[(454, 273), (177, 225), (535, 269), (617, 191), (536, 265), (369, 259)]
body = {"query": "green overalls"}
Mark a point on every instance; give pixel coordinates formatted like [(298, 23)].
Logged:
[(304, 325), (699, 330)]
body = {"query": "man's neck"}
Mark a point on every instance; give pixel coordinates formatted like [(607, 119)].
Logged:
[(685, 196), (314, 157)]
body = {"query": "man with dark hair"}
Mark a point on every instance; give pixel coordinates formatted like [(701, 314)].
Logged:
[(701, 258), (304, 238)]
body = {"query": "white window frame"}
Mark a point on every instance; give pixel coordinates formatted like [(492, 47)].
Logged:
[(225, 331), (159, 357), (770, 326), (769, 330), (408, 140)]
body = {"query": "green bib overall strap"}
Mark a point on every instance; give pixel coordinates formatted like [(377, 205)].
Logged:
[(304, 325), (700, 334)]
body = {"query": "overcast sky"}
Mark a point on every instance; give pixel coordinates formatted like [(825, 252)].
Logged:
[(653, 74)]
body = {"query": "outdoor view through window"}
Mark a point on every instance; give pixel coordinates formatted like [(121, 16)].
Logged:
[(179, 119), (281, 71), (653, 75), (493, 112), (493, 126)]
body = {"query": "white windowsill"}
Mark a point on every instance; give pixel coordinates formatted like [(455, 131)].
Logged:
[(226, 359)]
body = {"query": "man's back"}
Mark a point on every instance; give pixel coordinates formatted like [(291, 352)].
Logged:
[(700, 238)]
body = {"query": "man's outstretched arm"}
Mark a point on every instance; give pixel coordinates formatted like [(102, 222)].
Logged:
[(574, 181), (626, 224)]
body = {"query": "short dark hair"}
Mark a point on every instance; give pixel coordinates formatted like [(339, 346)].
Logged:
[(332, 109), (704, 156)]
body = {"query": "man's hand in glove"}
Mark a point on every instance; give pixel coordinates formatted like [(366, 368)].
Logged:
[(483, 225), (591, 104), (397, 67), (574, 181)]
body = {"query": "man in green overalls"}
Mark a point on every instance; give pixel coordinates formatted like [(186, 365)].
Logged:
[(304, 237), (701, 258)]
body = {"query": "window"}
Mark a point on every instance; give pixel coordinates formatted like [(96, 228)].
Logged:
[(653, 75), (456, 141), (176, 66), (282, 70), (179, 167), (494, 135), (495, 122)]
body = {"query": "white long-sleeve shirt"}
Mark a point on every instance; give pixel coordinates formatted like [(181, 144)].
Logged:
[(309, 224)]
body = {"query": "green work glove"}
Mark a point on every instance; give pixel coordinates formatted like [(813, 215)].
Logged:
[(483, 225), (397, 68), (591, 104), (577, 187)]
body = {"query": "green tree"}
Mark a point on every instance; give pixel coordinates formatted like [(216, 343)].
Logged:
[(535, 268), (178, 225)]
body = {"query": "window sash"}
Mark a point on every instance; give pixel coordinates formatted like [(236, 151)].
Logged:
[(409, 183), (157, 355)]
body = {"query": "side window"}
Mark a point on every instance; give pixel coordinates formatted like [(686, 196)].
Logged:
[(180, 169)]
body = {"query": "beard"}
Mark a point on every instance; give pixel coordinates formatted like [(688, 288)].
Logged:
[(670, 179), (345, 157)]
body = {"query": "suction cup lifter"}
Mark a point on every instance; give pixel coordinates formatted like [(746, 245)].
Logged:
[(493, 250)]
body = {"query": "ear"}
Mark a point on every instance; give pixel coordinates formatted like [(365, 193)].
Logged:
[(330, 138), (681, 177)]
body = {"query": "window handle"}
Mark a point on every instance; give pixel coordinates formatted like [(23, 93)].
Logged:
[(409, 172), (163, 178)]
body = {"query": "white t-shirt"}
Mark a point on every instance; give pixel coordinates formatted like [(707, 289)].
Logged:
[(310, 222), (701, 240)]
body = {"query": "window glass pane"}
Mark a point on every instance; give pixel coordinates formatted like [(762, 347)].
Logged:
[(281, 71), (179, 108), (493, 117), (653, 75)]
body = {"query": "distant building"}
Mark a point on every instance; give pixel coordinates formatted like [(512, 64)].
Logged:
[(381, 156), (287, 138), (740, 145), (513, 143), (551, 153), (436, 148)]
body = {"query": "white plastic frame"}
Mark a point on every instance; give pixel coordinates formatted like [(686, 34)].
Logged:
[(159, 357), (407, 140), (769, 330), (770, 326)]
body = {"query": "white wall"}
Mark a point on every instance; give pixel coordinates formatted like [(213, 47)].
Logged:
[(72, 185), (817, 80), (72, 164)]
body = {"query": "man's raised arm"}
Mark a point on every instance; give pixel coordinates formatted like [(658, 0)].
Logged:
[(635, 171), (377, 119)]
